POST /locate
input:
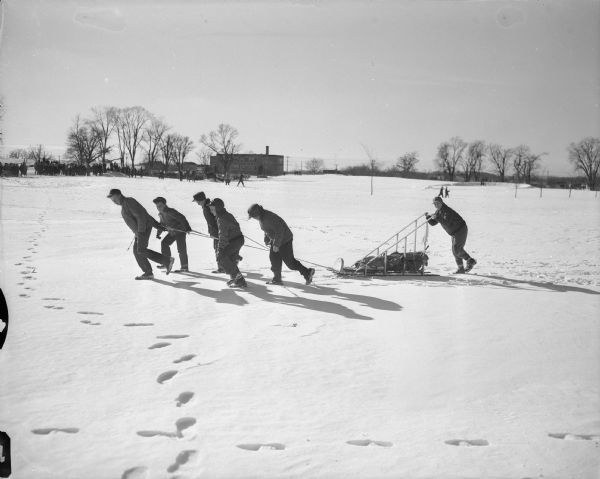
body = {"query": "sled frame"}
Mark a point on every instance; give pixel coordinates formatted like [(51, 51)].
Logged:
[(394, 243)]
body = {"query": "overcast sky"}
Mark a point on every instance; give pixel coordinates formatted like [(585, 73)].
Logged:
[(311, 78)]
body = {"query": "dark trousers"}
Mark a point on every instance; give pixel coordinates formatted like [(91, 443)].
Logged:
[(459, 239), (227, 257), (285, 255), (181, 247), (142, 253)]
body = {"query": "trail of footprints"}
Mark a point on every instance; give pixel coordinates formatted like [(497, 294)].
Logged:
[(28, 272)]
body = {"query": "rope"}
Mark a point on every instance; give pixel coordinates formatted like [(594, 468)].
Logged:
[(259, 247)]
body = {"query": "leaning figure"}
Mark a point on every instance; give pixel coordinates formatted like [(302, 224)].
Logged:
[(279, 238), (141, 223), (456, 227)]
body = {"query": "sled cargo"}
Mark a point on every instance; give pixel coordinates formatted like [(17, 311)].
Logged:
[(399, 255)]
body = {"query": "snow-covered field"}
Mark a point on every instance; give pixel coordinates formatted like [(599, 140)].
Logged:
[(492, 374)]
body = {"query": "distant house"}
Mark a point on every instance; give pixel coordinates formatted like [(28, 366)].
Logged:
[(251, 164)]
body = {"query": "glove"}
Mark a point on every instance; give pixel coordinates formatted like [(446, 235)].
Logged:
[(275, 249), (158, 233), (267, 241), (427, 216)]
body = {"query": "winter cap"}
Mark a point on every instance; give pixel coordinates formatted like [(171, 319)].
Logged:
[(255, 211), (199, 196), (113, 192), (217, 203), (438, 198), (159, 199)]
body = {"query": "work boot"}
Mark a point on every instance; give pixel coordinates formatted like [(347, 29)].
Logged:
[(169, 265), (275, 280), (309, 275), (183, 269), (460, 270), (470, 263), (145, 276), (239, 281)]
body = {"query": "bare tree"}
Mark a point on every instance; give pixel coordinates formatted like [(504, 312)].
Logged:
[(104, 122), (450, 154), (532, 162), (204, 156), (35, 153), (500, 159), (585, 156), (314, 166), (131, 124), (84, 143), (519, 161), (153, 136), (473, 160), (407, 162), (21, 154), (167, 149), (182, 146), (223, 142)]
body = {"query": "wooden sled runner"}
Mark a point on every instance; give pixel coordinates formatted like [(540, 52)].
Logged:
[(396, 256)]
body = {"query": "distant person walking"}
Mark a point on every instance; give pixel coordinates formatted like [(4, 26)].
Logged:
[(211, 221), (441, 193), (141, 223), (178, 227), (456, 227), (446, 192), (279, 238), (241, 180), (230, 241)]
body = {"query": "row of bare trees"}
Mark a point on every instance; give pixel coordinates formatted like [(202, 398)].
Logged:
[(456, 155), (131, 133)]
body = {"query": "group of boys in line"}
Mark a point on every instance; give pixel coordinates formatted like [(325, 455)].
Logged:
[(228, 238), (222, 227)]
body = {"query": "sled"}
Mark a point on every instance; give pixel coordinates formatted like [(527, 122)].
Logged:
[(396, 256)]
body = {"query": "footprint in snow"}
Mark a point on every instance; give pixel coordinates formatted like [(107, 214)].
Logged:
[(159, 345), (45, 431), (24, 295), (135, 473), (180, 425), (369, 442), (187, 357), (53, 307), (90, 312), (257, 446), (467, 442), (166, 376), (181, 459), (184, 398), (567, 436), (87, 321), (130, 325), (173, 336)]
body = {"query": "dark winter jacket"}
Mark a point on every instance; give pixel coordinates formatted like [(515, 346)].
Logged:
[(229, 228), (276, 230), (450, 220), (174, 219), (136, 216), (211, 221)]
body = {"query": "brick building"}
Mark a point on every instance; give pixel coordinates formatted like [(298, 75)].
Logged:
[(251, 164)]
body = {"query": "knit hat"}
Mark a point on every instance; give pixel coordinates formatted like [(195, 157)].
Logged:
[(159, 199), (255, 211), (199, 196), (113, 192), (438, 198), (218, 203)]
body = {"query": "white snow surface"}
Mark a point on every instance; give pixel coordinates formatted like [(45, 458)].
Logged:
[(491, 374)]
